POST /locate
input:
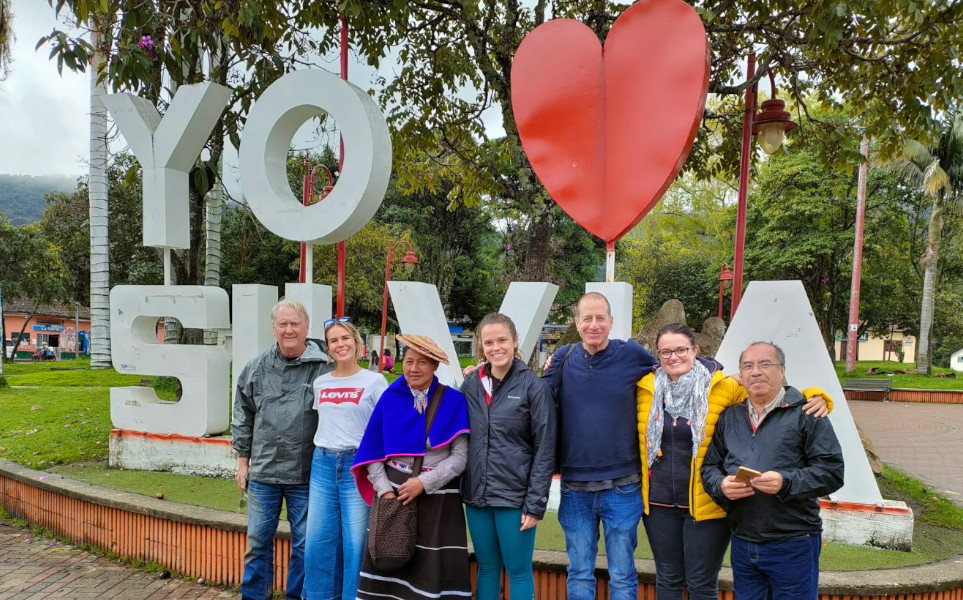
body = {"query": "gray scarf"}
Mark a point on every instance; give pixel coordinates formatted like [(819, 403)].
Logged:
[(687, 398)]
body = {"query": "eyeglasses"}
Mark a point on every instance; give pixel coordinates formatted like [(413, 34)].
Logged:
[(331, 322), (681, 352), (764, 365)]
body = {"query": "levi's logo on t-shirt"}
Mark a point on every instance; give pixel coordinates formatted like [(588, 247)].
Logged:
[(341, 395)]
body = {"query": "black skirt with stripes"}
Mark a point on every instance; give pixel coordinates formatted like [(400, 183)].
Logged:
[(439, 567)]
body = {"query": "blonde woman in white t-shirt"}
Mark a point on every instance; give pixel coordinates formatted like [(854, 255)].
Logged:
[(337, 515)]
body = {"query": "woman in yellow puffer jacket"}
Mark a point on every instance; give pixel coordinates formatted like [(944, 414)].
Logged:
[(679, 405)]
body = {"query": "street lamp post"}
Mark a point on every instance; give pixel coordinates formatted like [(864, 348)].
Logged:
[(409, 261), (725, 282), (306, 273), (771, 125)]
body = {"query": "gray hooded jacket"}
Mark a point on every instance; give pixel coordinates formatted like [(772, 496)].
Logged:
[(274, 422)]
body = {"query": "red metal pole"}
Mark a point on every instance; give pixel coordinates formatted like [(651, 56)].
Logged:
[(852, 337), (384, 310), (743, 183), (720, 297), (305, 199), (341, 247)]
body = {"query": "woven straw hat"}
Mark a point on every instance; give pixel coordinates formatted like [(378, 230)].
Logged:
[(424, 345)]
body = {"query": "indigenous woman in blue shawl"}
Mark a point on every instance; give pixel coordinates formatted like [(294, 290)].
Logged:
[(383, 466)]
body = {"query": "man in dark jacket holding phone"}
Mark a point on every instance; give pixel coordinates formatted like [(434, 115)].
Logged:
[(774, 516)]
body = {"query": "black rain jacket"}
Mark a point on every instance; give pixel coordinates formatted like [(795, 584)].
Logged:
[(801, 448), (511, 448)]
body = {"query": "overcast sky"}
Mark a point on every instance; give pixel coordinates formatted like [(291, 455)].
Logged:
[(43, 116)]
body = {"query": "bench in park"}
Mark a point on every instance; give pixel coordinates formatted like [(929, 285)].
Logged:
[(869, 385)]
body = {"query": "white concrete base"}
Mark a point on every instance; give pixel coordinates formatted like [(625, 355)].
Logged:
[(140, 451), (886, 524)]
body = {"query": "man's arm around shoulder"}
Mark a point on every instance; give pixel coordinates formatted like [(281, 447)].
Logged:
[(642, 358), (551, 374)]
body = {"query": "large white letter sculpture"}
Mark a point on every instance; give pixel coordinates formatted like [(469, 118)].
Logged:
[(202, 370), (272, 123), (779, 312), (419, 311), (167, 148)]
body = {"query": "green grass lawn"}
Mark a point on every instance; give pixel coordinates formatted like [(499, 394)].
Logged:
[(62, 422), (922, 382)]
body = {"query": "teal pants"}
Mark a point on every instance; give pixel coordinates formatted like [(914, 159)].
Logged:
[(498, 543)]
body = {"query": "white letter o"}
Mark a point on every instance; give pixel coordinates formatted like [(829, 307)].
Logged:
[(267, 135)]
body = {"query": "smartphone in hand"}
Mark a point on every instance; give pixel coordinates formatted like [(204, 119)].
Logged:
[(745, 474)]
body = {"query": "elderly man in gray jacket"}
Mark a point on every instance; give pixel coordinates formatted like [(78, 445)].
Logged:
[(273, 429)]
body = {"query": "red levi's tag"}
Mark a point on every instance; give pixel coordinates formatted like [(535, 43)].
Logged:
[(341, 395)]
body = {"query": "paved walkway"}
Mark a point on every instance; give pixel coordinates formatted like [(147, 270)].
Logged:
[(34, 567), (922, 440)]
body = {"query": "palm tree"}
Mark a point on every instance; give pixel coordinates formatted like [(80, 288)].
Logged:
[(97, 186), (937, 172)]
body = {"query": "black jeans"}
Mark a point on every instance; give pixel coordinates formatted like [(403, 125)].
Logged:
[(688, 553)]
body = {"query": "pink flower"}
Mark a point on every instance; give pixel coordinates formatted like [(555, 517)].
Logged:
[(147, 45)]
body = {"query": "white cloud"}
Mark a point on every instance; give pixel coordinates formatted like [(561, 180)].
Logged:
[(44, 120)]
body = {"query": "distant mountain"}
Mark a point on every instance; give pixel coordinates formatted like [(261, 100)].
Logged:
[(22, 196)]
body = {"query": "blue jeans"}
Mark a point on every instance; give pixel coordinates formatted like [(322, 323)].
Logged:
[(688, 553), (263, 514), (619, 509), (337, 528), (781, 570), (497, 541)]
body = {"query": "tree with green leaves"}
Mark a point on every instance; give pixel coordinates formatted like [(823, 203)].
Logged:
[(30, 267), (937, 171), (451, 244), (150, 49), (678, 249), (801, 226), (454, 64), (65, 225)]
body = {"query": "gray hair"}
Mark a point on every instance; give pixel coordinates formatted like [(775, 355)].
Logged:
[(779, 353), (293, 304)]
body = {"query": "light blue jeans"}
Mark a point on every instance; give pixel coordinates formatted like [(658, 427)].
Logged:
[(497, 541), (263, 514), (337, 528), (619, 509)]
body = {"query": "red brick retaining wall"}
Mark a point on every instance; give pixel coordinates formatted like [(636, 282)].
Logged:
[(908, 395), (201, 542)]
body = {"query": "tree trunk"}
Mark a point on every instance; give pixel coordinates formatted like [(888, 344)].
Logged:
[(923, 362), (926, 312), (215, 198), (212, 258), (99, 246), (33, 311), (539, 248)]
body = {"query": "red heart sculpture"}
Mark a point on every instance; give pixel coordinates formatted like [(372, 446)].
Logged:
[(608, 131)]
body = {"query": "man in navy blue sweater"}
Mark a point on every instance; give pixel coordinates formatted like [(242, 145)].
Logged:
[(599, 450)]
